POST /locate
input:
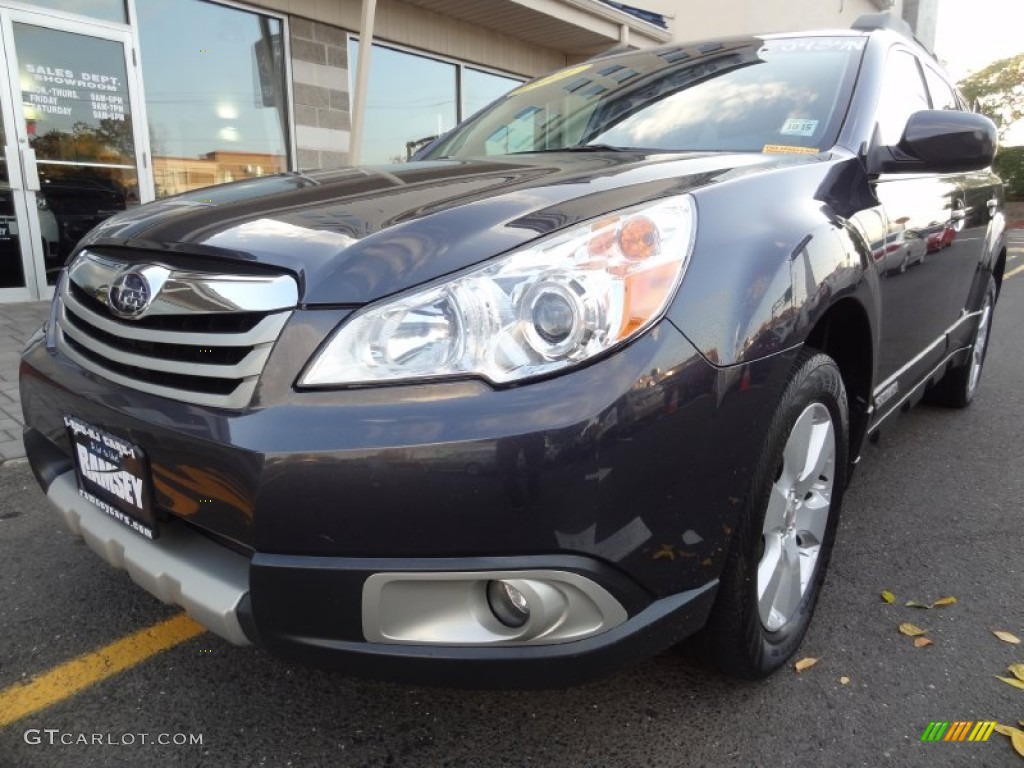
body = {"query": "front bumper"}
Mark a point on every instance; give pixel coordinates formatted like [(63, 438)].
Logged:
[(628, 472), (213, 584)]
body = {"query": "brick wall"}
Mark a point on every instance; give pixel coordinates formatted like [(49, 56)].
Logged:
[(320, 92)]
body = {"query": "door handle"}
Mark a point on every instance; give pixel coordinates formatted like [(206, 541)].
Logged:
[(29, 169), (993, 205)]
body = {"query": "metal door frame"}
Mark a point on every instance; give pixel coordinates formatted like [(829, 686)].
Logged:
[(21, 163)]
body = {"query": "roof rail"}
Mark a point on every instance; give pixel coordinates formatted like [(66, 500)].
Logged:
[(872, 21)]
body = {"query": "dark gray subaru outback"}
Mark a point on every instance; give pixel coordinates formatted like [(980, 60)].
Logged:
[(587, 377)]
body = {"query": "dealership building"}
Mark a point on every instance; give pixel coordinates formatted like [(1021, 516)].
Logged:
[(107, 104)]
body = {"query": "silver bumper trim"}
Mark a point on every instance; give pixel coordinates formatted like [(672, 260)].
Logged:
[(181, 567)]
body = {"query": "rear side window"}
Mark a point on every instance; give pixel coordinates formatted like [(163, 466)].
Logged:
[(903, 94), (943, 95)]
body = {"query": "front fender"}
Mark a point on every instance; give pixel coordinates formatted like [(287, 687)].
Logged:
[(770, 257)]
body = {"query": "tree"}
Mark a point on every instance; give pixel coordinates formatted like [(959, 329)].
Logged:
[(998, 91), (1009, 165), (107, 141)]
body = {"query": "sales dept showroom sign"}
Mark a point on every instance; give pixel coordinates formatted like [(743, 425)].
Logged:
[(112, 475), (74, 94)]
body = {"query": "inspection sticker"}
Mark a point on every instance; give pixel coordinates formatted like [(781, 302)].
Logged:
[(779, 149), (797, 126)]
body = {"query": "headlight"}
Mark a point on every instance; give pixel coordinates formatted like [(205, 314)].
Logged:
[(542, 309)]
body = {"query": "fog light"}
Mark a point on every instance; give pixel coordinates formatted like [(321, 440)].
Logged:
[(508, 604)]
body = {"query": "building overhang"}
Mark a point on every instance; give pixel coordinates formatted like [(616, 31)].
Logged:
[(578, 27)]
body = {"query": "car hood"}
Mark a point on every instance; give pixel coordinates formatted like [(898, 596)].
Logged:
[(354, 235)]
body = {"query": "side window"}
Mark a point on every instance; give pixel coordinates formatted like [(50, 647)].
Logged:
[(903, 94), (943, 95)]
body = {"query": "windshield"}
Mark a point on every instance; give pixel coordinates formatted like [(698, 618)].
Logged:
[(753, 95)]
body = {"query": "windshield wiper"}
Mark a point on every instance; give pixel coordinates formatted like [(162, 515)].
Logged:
[(579, 148)]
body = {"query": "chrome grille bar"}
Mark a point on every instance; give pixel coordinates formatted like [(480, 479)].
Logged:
[(217, 368)]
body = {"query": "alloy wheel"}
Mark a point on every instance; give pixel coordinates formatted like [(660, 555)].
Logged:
[(797, 517)]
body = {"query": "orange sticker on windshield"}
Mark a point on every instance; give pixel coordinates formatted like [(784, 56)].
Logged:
[(782, 149)]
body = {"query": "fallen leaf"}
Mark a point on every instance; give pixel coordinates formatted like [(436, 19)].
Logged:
[(923, 642), (1006, 637), (805, 664), (915, 604), (888, 596), (944, 601), (844, 680), (1017, 739), (1017, 670), (911, 631), (1016, 736), (666, 552), (1012, 681)]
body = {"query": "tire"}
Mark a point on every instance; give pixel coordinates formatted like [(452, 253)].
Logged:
[(957, 388), (782, 545)]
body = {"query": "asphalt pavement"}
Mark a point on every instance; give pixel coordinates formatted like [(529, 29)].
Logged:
[(935, 510)]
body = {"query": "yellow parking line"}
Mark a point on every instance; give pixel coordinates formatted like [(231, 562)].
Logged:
[(1013, 272), (63, 682)]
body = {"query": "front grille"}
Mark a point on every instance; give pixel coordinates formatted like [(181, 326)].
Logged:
[(159, 378), (204, 340), (180, 353)]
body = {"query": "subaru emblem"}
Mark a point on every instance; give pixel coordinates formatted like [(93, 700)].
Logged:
[(130, 295)]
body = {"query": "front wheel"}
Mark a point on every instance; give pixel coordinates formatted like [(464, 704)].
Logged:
[(781, 550)]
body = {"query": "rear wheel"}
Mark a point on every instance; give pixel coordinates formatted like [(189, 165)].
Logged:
[(957, 388), (781, 550)]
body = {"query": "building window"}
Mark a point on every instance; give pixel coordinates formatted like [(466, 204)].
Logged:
[(108, 10), (413, 98), (216, 93), (410, 100), (480, 88)]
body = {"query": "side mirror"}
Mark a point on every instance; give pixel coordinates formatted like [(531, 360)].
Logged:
[(938, 141)]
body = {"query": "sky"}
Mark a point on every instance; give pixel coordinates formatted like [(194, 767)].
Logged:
[(973, 33)]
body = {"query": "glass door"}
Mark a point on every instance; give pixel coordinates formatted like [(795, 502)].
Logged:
[(71, 130), (15, 249)]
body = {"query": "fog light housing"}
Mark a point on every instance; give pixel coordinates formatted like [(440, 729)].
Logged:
[(481, 608), (508, 604)]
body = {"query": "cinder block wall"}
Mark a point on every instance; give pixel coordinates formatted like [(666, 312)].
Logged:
[(320, 93)]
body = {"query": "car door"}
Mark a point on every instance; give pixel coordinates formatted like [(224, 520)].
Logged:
[(916, 287), (962, 247)]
